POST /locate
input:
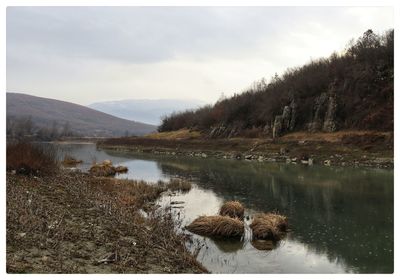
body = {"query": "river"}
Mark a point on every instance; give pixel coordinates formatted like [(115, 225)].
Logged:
[(340, 218)]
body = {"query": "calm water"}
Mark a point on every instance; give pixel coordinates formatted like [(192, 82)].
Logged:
[(341, 218)]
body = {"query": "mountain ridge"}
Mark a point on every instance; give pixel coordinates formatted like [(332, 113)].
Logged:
[(82, 120)]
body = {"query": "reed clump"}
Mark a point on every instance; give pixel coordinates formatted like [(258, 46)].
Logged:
[(121, 169), (29, 159), (106, 169), (269, 226), (233, 209), (70, 161), (217, 226), (103, 169)]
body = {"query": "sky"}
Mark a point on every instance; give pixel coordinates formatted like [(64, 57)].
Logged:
[(91, 54)]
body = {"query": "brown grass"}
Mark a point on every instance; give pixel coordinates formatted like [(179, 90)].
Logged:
[(332, 137), (175, 135), (27, 158), (264, 245), (72, 222), (217, 226), (233, 209), (269, 226), (70, 161), (179, 185), (121, 169)]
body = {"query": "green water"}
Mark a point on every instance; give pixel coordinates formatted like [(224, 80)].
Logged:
[(341, 219)]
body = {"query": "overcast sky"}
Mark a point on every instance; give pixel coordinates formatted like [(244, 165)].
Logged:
[(89, 54)]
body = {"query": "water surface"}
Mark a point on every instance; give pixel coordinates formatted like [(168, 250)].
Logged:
[(341, 218)]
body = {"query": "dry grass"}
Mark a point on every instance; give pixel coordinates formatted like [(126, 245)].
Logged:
[(264, 245), (70, 161), (269, 226), (179, 185), (27, 158), (121, 169), (106, 169), (77, 223), (217, 226), (233, 209), (331, 137), (178, 135), (101, 170)]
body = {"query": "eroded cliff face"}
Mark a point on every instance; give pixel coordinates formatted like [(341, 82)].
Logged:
[(322, 118), (285, 122)]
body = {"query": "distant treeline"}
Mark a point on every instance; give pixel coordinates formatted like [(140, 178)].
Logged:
[(24, 128), (362, 77)]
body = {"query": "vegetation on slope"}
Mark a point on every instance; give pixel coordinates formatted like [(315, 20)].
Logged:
[(361, 79)]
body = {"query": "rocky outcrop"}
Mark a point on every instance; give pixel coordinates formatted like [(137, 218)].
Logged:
[(285, 122), (223, 131), (324, 112)]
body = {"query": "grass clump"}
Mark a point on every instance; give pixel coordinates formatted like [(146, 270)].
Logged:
[(217, 226), (121, 169), (70, 161), (233, 209), (106, 169), (29, 159), (269, 226)]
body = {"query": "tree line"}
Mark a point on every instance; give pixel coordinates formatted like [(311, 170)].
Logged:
[(363, 76)]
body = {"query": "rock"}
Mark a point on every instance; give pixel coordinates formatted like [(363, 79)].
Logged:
[(283, 151), (327, 162), (286, 118), (260, 158), (277, 129), (294, 159), (248, 157), (203, 155), (310, 161), (286, 121), (324, 111)]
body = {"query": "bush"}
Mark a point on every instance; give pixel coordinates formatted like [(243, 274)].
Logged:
[(27, 158)]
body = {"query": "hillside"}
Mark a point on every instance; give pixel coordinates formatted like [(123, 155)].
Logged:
[(47, 114), (352, 90), (145, 110)]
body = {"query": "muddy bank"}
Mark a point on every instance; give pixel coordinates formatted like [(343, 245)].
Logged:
[(71, 222), (356, 149)]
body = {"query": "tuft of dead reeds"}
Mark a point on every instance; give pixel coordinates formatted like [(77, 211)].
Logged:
[(233, 209), (103, 169), (106, 169), (269, 226), (264, 245), (27, 158), (217, 226), (121, 169), (70, 161)]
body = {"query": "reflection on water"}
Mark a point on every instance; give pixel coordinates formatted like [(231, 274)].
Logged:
[(341, 218)]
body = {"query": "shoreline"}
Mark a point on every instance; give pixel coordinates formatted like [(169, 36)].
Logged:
[(76, 223), (307, 152)]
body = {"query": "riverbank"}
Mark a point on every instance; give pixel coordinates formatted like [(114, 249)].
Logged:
[(346, 148), (71, 222)]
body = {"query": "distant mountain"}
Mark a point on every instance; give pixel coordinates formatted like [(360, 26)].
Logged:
[(45, 112), (146, 110)]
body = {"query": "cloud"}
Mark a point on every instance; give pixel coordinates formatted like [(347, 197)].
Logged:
[(85, 54)]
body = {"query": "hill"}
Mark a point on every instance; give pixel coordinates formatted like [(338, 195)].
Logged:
[(145, 110), (45, 115), (348, 91)]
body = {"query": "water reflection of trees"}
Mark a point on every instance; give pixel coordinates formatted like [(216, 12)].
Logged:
[(344, 213)]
